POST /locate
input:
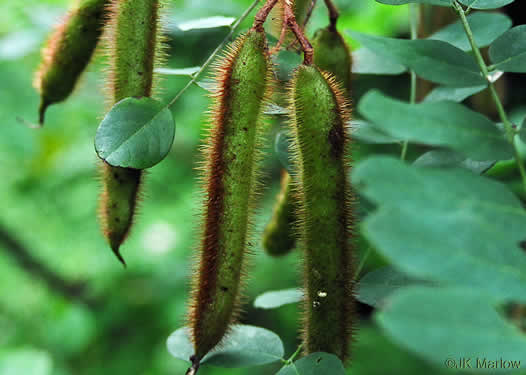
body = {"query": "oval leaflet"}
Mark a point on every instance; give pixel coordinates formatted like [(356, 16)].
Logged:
[(136, 133)]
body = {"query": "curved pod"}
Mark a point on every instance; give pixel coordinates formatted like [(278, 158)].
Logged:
[(230, 178), (133, 47), (68, 52)]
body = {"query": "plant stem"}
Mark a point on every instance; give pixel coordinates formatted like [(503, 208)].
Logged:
[(305, 21), (510, 131), (263, 14), (333, 14), (233, 29), (405, 145), (414, 11), (294, 355), (290, 20)]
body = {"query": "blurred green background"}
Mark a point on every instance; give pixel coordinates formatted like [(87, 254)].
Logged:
[(66, 304)]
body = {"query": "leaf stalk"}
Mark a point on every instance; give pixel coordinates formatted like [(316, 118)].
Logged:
[(508, 126)]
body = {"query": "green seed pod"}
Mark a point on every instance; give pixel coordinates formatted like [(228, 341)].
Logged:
[(68, 52), (118, 203), (133, 41), (133, 45), (318, 114), (332, 54), (230, 178), (278, 237)]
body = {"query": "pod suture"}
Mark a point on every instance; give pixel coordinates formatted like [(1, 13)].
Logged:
[(230, 183), (133, 47), (68, 52)]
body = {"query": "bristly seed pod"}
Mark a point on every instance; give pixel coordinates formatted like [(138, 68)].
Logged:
[(118, 203), (332, 54), (318, 116), (279, 235), (68, 52), (133, 46), (230, 179)]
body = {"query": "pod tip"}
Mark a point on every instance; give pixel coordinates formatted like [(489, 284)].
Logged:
[(115, 249), (42, 112)]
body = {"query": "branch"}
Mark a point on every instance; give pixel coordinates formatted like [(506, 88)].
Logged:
[(70, 290)]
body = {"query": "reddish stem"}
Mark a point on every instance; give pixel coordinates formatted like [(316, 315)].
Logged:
[(305, 22), (290, 20), (262, 15), (281, 37), (333, 14)]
